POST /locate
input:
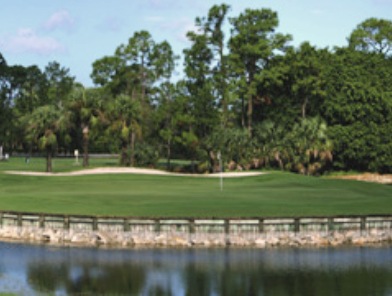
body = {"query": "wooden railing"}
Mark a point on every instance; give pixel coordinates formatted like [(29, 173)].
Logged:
[(197, 225)]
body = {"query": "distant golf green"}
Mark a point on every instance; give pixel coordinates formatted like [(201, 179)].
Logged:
[(271, 195)]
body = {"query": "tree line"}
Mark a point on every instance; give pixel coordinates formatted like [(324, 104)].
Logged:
[(250, 98)]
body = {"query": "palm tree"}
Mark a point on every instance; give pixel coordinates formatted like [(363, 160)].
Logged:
[(271, 144), (310, 146), (43, 127), (124, 115), (87, 107)]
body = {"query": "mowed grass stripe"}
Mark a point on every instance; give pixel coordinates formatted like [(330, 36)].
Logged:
[(270, 195)]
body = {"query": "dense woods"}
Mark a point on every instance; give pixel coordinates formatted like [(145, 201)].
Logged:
[(250, 98)]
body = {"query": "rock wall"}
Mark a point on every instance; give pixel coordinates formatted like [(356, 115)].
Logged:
[(183, 232), (80, 237)]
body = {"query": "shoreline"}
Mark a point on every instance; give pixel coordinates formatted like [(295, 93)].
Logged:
[(135, 240)]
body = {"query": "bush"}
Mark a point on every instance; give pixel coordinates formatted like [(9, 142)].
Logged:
[(146, 155)]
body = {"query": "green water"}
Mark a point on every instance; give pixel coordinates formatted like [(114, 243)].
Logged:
[(42, 270)]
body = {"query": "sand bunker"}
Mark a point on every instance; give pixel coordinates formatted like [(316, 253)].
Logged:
[(114, 170), (369, 177)]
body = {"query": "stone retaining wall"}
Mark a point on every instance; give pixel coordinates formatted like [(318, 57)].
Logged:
[(256, 232)]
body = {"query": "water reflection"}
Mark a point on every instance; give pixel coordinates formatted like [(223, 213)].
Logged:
[(67, 271), (118, 279)]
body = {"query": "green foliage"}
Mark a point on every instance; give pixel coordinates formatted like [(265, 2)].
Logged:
[(123, 115), (146, 155), (305, 78), (212, 28), (44, 127), (253, 44), (234, 145), (271, 144), (59, 81), (245, 93), (359, 111), (372, 35), (309, 148)]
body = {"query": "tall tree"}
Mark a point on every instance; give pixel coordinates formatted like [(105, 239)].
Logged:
[(137, 54), (87, 107), (372, 35), (359, 110), (33, 92), (305, 77), (212, 27), (135, 70), (60, 82), (124, 115), (199, 83), (110, 72), (174, 119), (5, 111), (200, 90), (253, 44), (43, 126)]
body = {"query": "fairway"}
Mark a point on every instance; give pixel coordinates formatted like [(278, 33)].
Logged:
[(274, 194)]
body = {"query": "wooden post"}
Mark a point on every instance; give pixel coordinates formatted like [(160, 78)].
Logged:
[(19, 219), (261, 225), (296, 225), (126, 225), (66, 222), (95, 223), (330, 224), (192, 226), (157, 226), (42, 221), (363, 223), (227, 226)]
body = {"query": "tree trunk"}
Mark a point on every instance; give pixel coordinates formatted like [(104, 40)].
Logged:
[(132, 156), (85, 146), (168, 154), (243, 113), (48, 161), (223, 86), (303, 107), (250, 114), (124, 161), (212, 159)]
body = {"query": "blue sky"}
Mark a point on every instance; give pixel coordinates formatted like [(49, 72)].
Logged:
[(77, 32)]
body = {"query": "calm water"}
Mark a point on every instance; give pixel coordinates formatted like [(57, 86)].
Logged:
[(42, 270)]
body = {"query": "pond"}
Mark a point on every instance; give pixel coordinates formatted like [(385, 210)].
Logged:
[(41, 270)]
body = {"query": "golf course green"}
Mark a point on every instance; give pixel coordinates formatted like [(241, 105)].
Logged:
[(274, 194)]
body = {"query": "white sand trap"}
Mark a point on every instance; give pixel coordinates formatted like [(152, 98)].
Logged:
[(140, 171)]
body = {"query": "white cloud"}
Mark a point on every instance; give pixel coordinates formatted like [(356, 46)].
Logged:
[(180, 28), (189, 5), (26, 40), (60, 20), (160, 3), (111, 24), (154, 19)]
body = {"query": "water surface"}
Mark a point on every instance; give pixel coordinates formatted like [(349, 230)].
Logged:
[(42, 270)]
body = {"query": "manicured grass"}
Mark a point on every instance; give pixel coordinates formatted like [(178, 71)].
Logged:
[(270, 195), (38, 164)]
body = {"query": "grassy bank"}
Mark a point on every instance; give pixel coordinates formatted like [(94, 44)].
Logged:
[(38, 164), (273, 194)]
